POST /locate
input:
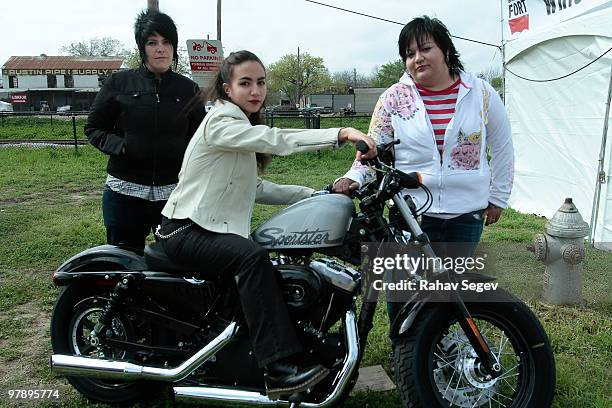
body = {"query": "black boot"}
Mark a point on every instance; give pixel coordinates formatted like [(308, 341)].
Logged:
[(283, 378)]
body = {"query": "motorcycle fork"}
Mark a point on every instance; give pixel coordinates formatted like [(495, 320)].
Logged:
[(489, 361)]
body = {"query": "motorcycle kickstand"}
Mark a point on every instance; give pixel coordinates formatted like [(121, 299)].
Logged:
[(296, 400)]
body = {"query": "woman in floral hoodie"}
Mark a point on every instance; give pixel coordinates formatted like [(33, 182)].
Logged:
[(447, 121)]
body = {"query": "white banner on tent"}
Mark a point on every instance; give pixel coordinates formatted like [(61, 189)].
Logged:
[(521, 16)]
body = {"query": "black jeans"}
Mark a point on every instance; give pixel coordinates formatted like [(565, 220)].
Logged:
[(128, 220), (271, 330)]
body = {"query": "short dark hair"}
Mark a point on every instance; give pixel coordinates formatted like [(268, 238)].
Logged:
[(424, 26), (150, 22)]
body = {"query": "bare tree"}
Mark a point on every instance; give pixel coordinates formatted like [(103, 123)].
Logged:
[(97, 47)]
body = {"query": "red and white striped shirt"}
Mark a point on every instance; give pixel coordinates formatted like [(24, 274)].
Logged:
[(440, 107)]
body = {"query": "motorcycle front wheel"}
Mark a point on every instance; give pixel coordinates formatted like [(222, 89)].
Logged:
[(435, 365), (75, 314)]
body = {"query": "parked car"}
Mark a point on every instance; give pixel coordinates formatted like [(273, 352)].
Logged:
[(5, 107)]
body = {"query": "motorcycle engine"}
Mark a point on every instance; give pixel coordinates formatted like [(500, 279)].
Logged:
[(319, 293)]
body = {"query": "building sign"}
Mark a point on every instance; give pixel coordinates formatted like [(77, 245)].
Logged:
[(205, 58), (522, 16), (19, 98), (73, 71)]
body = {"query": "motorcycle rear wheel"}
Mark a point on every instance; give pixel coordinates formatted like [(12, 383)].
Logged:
[(75, 313), (437, 367)]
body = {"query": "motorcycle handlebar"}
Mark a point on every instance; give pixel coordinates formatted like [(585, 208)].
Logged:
[(410, 180), (362, 146)]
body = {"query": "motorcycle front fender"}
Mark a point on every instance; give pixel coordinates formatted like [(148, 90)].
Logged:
[(411, 309)]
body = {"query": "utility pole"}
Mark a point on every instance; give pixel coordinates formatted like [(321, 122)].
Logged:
[(153, 5), (299, 79), (219, 20), (354, 77)]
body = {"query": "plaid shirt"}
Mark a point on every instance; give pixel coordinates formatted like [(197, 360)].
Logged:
[(149, 193)]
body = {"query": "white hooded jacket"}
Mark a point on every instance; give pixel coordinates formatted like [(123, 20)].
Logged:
[(461, 179)]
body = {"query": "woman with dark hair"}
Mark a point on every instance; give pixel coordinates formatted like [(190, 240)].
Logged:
[(446, 120), (143, 120), (207, 218)]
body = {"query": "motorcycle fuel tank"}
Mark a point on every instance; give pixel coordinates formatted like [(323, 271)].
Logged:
[(316, 222)]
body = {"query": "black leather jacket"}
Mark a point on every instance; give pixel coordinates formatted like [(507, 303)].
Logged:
[(144, 124)]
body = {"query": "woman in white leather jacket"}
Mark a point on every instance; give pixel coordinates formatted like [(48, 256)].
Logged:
[(207, 217)]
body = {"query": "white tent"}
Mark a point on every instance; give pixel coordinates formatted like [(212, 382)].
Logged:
[(559, 127)]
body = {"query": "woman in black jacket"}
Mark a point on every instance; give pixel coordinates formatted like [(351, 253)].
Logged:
[(143, 120)]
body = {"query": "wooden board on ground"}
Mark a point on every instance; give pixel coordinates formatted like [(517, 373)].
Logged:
[(373, 378)]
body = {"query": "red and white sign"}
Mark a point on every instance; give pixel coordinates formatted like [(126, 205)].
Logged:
[(205, 59), (518, 16), (522, 16), (19, 98)]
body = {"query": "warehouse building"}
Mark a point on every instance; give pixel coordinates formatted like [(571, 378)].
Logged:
[(50, 82)]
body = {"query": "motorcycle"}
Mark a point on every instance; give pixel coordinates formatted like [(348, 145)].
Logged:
[(126, 326)]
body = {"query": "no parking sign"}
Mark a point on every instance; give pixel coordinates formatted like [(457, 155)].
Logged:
[(205, 59)]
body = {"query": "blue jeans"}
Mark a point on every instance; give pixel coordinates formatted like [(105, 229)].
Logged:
[(465, 229)]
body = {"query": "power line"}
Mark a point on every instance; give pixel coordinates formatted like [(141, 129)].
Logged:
[(561, 77), (396, 22)]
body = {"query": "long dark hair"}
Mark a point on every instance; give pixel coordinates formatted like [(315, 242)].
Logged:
[(422, 27), (150, 22), (216, 92)]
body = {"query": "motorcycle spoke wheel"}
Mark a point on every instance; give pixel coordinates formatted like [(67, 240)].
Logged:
[(436, 366), (76, 312), (459, 377)]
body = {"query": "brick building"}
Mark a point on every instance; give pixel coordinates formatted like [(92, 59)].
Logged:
[(48, 82)]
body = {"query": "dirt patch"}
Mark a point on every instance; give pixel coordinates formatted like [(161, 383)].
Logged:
[(53, 196), (27, 368)]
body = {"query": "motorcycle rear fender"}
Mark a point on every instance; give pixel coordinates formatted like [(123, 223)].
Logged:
[(413, 307), (105, 263)]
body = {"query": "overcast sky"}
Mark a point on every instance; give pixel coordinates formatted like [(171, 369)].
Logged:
[(269, 28)]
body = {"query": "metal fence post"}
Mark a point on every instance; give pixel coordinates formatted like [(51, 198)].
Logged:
[(74, 132)]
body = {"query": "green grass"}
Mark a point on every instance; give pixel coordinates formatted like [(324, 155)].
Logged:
[(50, 210), (361, 123), (40, 127), (60, 127)]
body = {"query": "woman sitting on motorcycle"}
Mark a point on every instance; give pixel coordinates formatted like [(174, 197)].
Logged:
[(207, 217)]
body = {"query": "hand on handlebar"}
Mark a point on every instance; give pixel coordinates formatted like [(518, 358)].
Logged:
[(355, 136), (345, 186)]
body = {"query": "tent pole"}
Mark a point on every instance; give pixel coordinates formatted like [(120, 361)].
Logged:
[(601, 174), (503, 50)]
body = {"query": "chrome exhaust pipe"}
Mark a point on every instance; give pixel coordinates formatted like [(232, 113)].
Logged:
[(232, 396), (119, 370)]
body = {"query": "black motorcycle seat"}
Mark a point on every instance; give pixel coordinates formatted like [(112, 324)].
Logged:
[(158, 261)]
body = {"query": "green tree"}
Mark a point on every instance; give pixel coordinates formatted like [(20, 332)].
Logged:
[(298, 78), (494, 77), (342, 80), (389, 73), (96, 47)]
